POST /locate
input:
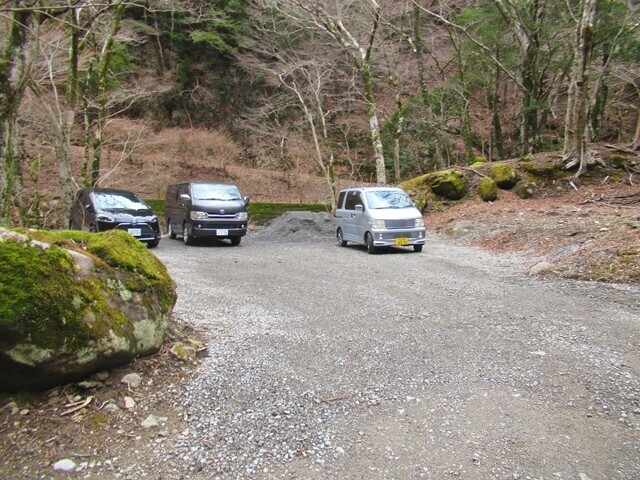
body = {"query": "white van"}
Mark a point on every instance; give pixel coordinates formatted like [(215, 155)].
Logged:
[(378, 217)]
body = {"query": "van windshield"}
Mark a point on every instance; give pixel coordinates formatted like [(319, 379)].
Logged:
[(388, 199), (215, 192)]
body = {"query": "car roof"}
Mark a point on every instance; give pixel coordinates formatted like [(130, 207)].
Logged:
[(372, 189), (107, 190)]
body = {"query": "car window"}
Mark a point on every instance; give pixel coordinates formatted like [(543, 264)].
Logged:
[(119, 201), (341, 199), (388, 199), (215, 192), (353, 199)]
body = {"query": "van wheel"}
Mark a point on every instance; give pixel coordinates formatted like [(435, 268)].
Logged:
[(371, 248), (170, 231), (417, 248), (235, 241), (187, 237), (153, 244), (340, 238)]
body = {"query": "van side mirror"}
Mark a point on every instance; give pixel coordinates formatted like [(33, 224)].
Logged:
[(88, 207), (185, 196), (246, 200), (359, 208)]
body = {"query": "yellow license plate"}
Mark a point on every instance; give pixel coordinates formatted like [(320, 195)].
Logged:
[(402, 241)]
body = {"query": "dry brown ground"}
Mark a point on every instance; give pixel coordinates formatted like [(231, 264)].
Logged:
[(590, 234)]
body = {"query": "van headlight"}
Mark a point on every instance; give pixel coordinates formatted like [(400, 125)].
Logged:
[(378, 224), (242, 216), (198, 215), (420, 222)]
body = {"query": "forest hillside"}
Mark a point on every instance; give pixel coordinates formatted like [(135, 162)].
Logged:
[(291, 99)]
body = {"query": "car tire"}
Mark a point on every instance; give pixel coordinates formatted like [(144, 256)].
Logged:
[(170, 231), (235, 241), (371, 248), (153, 244), (187, 237), (417, 248), (340, 238)]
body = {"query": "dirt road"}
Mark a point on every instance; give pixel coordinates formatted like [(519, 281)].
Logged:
[(327, 362)]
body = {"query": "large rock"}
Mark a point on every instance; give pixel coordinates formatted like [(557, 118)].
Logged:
[(449, 184), (488, 189), (76, 302), (504, 175)]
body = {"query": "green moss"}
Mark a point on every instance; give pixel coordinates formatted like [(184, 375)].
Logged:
[(525, 190), (39, 292), (488, 189), (45, 300), (504, 175), (547, 169), (99, 418), (449, 184)]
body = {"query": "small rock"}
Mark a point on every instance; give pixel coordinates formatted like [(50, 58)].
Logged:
[(150, 421), (89, 384), (129, 403), (112, 407), (541, 268), (133, 380), (153, 421), (64, 465), (101, 376), (184, 352)]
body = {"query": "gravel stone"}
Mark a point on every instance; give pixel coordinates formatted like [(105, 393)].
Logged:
[(327, 362)]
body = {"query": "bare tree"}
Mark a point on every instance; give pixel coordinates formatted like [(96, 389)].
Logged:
[(577, 140), (353, 28)]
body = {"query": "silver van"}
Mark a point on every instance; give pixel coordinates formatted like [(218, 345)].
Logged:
[(206, 210), (378, 217)]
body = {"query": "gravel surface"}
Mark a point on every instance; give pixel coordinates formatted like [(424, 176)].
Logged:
[(327, 362)]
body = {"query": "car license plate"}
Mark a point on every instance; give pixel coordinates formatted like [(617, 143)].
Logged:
[(402, 241), (222, 233), (136, 232)]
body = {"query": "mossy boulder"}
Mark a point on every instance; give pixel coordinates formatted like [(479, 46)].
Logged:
[(525, 189), (544, 168), (74, 303), (449, 184), (488, 189), (504, 175)]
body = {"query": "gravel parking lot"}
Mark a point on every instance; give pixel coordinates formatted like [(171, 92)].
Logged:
[(327, 362)]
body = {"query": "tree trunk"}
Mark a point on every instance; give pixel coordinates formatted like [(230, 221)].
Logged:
[(578, 150), (14, 73), (636, 139), (103, 71)]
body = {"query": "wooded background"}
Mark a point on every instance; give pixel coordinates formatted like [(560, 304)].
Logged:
[(377, 91)]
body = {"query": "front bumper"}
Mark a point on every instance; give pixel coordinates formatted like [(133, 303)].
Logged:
[(145, 232), (401, 238), (219, 230)]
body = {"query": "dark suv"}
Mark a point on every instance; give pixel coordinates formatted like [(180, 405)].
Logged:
[(100, 209)]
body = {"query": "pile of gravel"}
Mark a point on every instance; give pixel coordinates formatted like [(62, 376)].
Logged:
[(297, 227)]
